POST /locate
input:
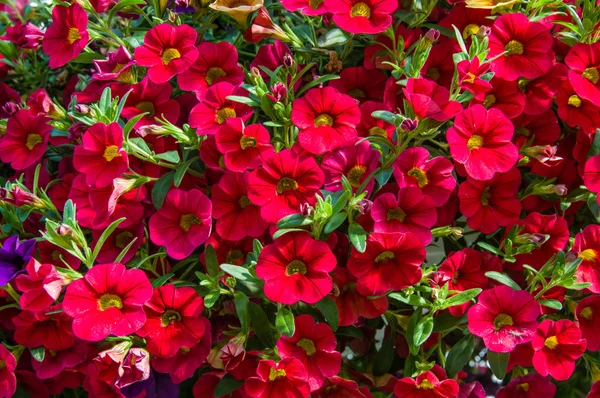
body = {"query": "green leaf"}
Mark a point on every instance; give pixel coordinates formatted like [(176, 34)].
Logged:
[(384, 357), (489, 247), (498, 363), (388, 116), (459, 355), (261, 325), (284, 231), (212, 264), (227, 385), (554, 304), (161, 280), (460, 298), (294, 220), (132, 122), (383, 176), (169, 156), (180, 172), (141, 145), (412, 299), (239, 273), (315, 83), (423, 331), (38, 353), (211, 298), (243, 100), (358, 237), (241, 307), (284, 322), (580, 286), (123, 253), (87, 58), (595, 147), (109, 230), (503, 278), (123, 4), (69, 212), (410, 331), (329, 310), (334, 222), (446, 321), (334, 37), (161, 188)]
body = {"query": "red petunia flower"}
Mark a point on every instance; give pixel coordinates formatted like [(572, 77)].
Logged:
[(370, 126), (391, 262), (584, 74), (36, 329), (296, 268), (215, 108), (287, 378), (575, 110), (469, 77), (184, 364), (355, 162), (480, 140), (439, 66), (183, 222), (504, 95), (327, 119), (433, 177), (66, 38), (362, 16), (532, 385), (306, 7), (206, 384), (526, 45), (361, 83), (41, 286), (587, 247), (173, 320), (557, 345), (314, 345), (410, 211), (336, 387), (155, 99), (117, 66), (504, 317), (493, 203), (540, 92), (217, 62), (284, 182), (107, 300), (426, 385), (430, 100), (244, 147), (56, 361), (117, 242), (8, 380), (236, 216), (25, 140), (588, 317), (101, 156), (167, 51)]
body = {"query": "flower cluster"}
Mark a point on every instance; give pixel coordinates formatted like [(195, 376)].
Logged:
[(300, 198)]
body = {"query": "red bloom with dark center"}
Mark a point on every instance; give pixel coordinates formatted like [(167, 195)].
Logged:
[(183, 222), (351, 304), (117, 66), (426, 385), (587, 247), (283, 183), (481, 140), (370, 126), (296, 268), (154, 99), (433, 177), (360, 83), (237, 217), (493, 203), (117, 242), (336, 387), (557, 345), (467, 20), (244, 147), (214, 109), (306, 7), (439, 66), (430, 100), (41, 286), (314, 345), (362, 16), (36, 329), (575, 110), (410, 211), (355, 162), (504, 95), (584, 74), (25, 140), (466, 270), (532, 385), (217, 62), (327, 119), (206, 384), (504, 317), (392, 261), (8, 380), (66, 38), (591, 173), (101, 156), (469, 77), (588, 317), (56, 361), (107, 300), (540, 92), (167, 51), (526, 45), (173, 320), (287, 378)]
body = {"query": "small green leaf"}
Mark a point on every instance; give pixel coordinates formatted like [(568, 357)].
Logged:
[(329, 310), (161, 188), (334, 222), (211, 298), (333, 37), (384, 357), (460, 298), (180, 172), (239, 273), (358, 237), (595, 147), (503, 278), (161, 280), (423, 330), (261, 325), (212, 264), (241, 307), (109, 230), (489, 247), (412, 299), (459, 355), (446, 321), (554, 304), (226, 386), (294, 220), (498, 363), (284, 322), (38, 353), (169, 156)]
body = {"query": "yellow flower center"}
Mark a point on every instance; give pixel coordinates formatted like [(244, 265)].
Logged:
[(489, 100), (244, 201), (169, 316), (286, 184), (295, 267), (522, 387), (2, 364), (434, 74), (591, 74), (110, 152), (169, 55), (588, 255), (476, 141), (355, 174), (587, 313), (360, 10), (425, 385), (247, 142), (469, 78), (377, 131), (551, 342), (522, 83), (225, 113), (110, 301), (485, 196), (73, 35), (323, 120), (513, 47), (396, 214), (420, 176), (187, 221), (276, 374), (122, 239), (502, 320), (146, 107), (213, 73), (314, 4), (118, 68), (470, 30), (33, 140), (357, 93), (234, 256), (385, 256), (308, 346), (575, 101), (522, 130)]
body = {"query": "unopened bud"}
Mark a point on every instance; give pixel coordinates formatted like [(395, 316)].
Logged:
[(483, 32), (288, 61), (10, 108), (409, 125), (432, 35)]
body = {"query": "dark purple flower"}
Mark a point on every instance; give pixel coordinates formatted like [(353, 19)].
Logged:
[(13, 256)]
